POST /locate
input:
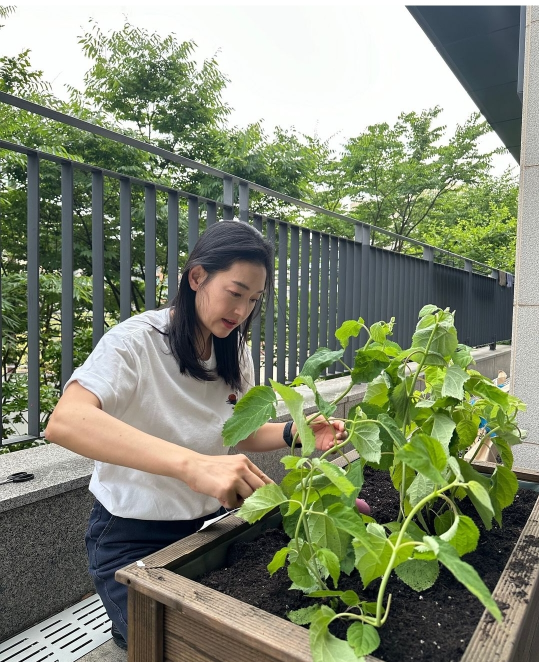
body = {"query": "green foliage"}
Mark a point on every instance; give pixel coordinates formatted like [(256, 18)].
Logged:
[(422, 434)]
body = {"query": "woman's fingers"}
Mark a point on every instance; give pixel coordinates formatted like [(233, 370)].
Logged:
[(229, 478)]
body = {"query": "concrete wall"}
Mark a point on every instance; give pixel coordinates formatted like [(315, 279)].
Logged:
[(42, 524), (525, 340)]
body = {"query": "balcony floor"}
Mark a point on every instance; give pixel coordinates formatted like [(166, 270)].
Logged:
[(107, 652)]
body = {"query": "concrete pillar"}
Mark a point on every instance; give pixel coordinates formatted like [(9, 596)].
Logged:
[(525, 338)]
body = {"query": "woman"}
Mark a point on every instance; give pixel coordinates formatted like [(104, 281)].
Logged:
[(149, 404)]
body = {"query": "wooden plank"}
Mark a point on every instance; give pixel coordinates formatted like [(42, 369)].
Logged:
[(522, 474), (184, 635), (243, 623), (517, 588), (145, 632)]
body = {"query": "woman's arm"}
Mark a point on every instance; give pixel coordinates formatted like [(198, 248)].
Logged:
[(269, 437), (79, 424)]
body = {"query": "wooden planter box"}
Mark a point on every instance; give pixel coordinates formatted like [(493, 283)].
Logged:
[(172, 618)]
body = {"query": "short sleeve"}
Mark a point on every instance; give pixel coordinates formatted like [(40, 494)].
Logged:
[(110, 372), (248, 371)]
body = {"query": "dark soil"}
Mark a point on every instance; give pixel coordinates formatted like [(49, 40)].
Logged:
[(433, 626)]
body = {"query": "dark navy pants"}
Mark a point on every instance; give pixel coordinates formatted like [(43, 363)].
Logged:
[(113, 542)]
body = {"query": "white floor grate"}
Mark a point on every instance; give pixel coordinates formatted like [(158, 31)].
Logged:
[(66, 637)]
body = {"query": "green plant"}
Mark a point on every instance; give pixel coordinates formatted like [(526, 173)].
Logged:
[(421, 411)]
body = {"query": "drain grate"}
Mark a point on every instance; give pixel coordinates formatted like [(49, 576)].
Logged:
[(66, 637)]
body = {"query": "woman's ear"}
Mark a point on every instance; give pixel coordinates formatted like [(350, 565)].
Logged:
[(197, 276)]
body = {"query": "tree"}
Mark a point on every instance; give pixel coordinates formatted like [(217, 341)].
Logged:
[(478, 222), (398, 176)]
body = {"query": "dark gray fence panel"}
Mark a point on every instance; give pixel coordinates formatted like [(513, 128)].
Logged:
[(304, 298), (316, 293), (33, 295), (293, 303), (125, 249), (269, 319), (67, 272), (150, 222), (98, 259), (172, 245)]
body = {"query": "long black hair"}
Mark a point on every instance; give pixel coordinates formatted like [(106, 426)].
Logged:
[(222, 245)]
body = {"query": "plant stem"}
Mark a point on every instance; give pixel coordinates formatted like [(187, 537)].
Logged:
[(390, 566)]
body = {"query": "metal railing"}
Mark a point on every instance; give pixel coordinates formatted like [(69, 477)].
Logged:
[(321, 279)]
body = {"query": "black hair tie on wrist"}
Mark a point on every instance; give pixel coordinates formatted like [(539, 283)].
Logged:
[(288, 436)]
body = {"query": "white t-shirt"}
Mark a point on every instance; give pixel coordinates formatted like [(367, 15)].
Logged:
[(137, 380)]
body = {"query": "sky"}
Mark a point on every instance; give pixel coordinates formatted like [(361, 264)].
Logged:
[(329, 70)]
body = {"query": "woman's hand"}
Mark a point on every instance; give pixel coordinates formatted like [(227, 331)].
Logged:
[(229, 478), (327, 433)]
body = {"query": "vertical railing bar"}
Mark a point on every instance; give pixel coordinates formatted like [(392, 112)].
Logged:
[(149, 247), (98, 258), (349, 293), (269, 319), (304, 298), (228, 199), (243, 201), (293, 302), (357, 289), (172, 245), (315, 292), (33, 295), (193, 222), (332, 299), (211, 213), (325, 266), (282, 300), (362, 236), (256, 324), (66, 325), (125, 249), (342, 287)]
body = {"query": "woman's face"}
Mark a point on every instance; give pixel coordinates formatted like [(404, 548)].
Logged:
[(225, 300)]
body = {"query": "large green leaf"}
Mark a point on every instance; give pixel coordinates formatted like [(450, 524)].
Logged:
[(256, 408), (463, 356), (336, 475), (324, 646), (443, 429), (478, 385), (368, 364), (330, 561), (425, 455), (323, 533), (295, 404), (391, 428), (322, 358), (363, 638), (301, 577), (505, 451), (366, 441), (467, 431), (303, 616), (349, 329), (347, 519), (401, 401), (428, 309), (371, 562), (479, 493), (453, 383), (377, 391), (419, 575), (262, 501), (461, 532), (280, 557), (419, 489), (465, 574), (443, 340), (504, 489)]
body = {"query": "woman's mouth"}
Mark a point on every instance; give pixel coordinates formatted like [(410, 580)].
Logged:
[(229, 324)]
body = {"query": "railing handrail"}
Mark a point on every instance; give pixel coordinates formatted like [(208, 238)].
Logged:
[(96, 129)]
